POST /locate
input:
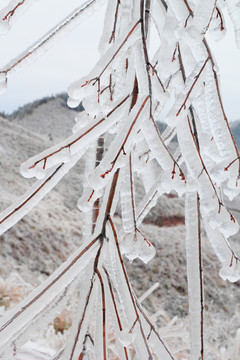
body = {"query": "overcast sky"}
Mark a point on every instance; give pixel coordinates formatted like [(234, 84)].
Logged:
[(76, 54)]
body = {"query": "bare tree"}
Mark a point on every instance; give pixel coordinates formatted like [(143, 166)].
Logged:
[(123, 97)]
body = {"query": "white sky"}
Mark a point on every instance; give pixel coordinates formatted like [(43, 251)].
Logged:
[(76, 54)]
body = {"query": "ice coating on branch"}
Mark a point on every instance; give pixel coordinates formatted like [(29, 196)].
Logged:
[(24, 204), (234, 12), (3, 82), (83, 315), (64, 152), (125, 93), (50, 38), (26, 312), (125, 298)]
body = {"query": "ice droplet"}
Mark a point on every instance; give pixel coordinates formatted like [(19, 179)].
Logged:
[(72, 103), (126, 337), (232, 272)]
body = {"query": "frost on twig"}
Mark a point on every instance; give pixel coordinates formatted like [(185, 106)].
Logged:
[(117, 134)]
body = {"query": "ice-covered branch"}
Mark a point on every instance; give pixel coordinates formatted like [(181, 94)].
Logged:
[(48, 40)]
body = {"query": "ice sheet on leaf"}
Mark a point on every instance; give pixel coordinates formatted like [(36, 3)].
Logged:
[(234, 12), (157, 145), (158, 15), (107, 33), (135, 245), (224, 221), (174, 180), (217, 27), (230, 262), (180, 10), (140, 68), (192, 88), (202, 15)]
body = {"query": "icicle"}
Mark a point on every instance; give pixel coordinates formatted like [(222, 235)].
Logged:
[(230, 263), (194, 273), (127, 195), (100, 337)]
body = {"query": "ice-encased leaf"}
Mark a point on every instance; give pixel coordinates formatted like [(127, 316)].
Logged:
[(234, 12), (135, 245)]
